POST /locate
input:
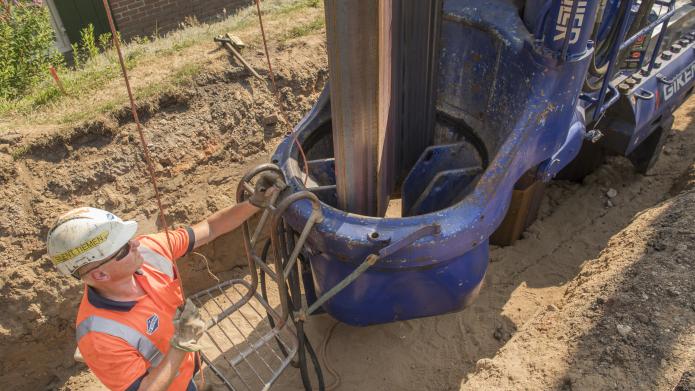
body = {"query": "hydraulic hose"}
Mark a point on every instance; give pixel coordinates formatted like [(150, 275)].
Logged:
[(264, 294), (287, 241), (304, 344)]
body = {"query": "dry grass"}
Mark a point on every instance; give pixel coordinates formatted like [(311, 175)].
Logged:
[(155, 66)]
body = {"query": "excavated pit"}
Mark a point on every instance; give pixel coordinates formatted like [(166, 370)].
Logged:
[(202, 149)]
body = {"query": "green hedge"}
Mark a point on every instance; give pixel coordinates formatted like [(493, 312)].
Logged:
[(26, 46)]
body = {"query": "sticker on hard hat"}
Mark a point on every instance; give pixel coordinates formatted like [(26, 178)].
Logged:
[(152, 324), (83, 248)]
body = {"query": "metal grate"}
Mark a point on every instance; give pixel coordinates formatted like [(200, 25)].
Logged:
[(241, 348)]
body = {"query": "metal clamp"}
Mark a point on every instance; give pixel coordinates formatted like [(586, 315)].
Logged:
[(593, 135), (284, 263)]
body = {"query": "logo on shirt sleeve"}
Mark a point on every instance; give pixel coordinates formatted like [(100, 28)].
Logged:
[(152, 324)]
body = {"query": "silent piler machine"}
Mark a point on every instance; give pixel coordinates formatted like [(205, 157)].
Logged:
[(462, 110)]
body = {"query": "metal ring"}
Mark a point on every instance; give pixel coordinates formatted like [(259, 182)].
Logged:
[(664, 79), (644, 94)]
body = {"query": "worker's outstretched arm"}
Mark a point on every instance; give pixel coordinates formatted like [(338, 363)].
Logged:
[(230, 218), (221, 222)]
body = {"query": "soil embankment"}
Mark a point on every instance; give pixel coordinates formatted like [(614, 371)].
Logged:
[(203, 139), (627, 321)]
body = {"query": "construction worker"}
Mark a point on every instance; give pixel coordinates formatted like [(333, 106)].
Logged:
[(129, 331)]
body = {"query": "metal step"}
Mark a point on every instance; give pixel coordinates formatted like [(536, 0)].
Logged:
[(241, 348)]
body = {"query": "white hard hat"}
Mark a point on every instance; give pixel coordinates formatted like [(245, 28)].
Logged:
[(86, 235)]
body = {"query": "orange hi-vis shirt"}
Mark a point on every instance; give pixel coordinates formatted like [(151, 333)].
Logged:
[(120, 341)]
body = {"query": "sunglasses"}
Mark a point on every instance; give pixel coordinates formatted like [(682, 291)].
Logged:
[(119, 255)]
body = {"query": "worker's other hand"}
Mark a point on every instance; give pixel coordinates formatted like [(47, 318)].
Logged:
[(188, 328), (268, 184)]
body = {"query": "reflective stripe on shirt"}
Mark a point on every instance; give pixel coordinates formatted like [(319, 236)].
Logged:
[(133, 337), (157, 261)]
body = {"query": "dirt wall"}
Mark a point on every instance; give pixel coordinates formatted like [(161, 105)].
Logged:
[(627, 321)]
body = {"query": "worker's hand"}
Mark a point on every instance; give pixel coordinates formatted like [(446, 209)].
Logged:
[(188, 328), (268, 184)]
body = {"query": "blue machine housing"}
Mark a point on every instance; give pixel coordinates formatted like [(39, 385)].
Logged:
[(507, 103), (499, 90)]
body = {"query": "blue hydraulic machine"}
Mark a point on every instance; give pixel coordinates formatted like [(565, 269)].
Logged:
[(492, 99), (520, 89)]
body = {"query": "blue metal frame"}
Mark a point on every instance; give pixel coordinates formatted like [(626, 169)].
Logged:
[(644, 105), (600, 102), (648, 105)]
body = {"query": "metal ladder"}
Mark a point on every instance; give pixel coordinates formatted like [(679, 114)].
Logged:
[(240, 348), (244, 352)]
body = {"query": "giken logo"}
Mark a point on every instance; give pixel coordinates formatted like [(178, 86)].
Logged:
[(563, 23), (680, 81)]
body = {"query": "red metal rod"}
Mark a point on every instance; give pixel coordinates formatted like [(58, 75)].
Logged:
[(145, 149), (54, 74), (277, 93)]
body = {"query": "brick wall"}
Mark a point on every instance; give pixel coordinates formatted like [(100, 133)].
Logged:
[(144, 17)]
